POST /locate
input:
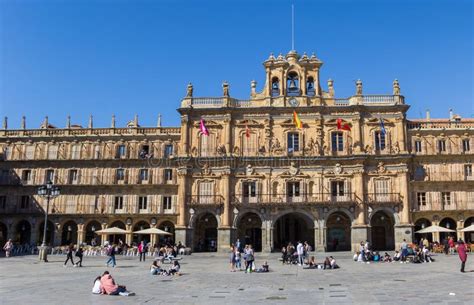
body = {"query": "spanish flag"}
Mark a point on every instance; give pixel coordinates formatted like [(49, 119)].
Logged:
[(298, 123)]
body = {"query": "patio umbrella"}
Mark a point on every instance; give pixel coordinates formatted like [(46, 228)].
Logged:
[(434, 229), (468, 229), (153, 231), (111, 231)]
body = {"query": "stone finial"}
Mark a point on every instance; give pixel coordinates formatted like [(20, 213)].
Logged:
[(225, 89), (253, 87), (45, 122), (68, 122), (23, 122), (358, 87), (5, 122), (331, 87), (91, 124), (112, 124), (189, 90), (396, 87), (428, 115), (313, 56), (271, 57), (451, 114), (135, 120), (158, 124), (280, 57)]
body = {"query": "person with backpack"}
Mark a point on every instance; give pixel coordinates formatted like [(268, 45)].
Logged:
[(111, 255), (70, 251)]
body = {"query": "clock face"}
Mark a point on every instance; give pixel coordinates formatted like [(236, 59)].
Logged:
[(293, 102)]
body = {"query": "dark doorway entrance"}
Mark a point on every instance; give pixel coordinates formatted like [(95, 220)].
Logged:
[(338, 236), (382, 231), (292, 228), (205, 233), (249, 231)]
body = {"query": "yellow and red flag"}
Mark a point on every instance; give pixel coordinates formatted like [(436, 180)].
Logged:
[(297, 120)]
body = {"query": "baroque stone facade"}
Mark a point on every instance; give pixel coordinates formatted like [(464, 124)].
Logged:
[(356, 169)]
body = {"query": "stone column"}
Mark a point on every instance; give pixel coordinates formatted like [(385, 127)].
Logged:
[(405, 229), (357, 134), (184, 134), (318, 245), (359, 229), (182, 233), (401, 133), (80, 234), (266, 238), (228, 134), (128, 235), (224, 232), (103, 237)]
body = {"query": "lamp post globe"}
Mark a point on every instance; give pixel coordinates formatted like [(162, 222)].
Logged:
[(47, 191)]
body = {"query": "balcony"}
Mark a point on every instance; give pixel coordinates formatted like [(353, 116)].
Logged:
[(205, 200), (383, 198), (323, 199), (440, 124), (454, 205), (443, 176), (108, 209), (17, 209)]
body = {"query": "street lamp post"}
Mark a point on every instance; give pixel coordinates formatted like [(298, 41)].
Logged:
[(47, 191)]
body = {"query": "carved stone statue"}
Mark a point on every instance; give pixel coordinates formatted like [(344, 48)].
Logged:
[(221, 150), (276, 147), (358, 87), (189, 92), (331, 87), (310, 148), (225, 89), (396, 148), (236, 150), (396, 87)]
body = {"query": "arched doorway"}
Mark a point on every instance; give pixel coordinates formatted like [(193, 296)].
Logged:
[(468, 236), (419, 225), (3, 234), (116, 238), (167, 226), (49, 233), (23, 232), (338, 234), (293, 227), (91, 237), (69, 233), (137, 238), (382, 231), (205, 233), (249, 231), (448, 223)]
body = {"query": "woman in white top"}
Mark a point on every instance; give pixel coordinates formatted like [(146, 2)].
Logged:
[(97, 289)]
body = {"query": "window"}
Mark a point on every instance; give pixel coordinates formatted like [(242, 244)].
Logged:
[(466, 145), (3, 202), (382, 187), (337, 188), (249, 189), (142, 203), (468, 170), (118, 203), (292, 84), (73, 176), (76, 151), (445, 198), (30, 152), (249, 144), (293, 142), (275, 86), (379, 140), (5, 176), (49, 177), (441, 146), (143, 174), (293, 189), (166, 202), (26, 176), (337, 141), (121, 151), (52, 152), (169, 149), (310, 86), (96, 151), (144, 152), (417, 146), (120, 174), (206, 192), (7, 153), (421, 199), (168, 174), (25, 202)]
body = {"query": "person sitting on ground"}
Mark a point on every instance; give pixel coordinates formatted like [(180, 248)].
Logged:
[(264, 268), (111, 288), (174, 269), (397, 256), (426, 255), (155, 268), (97, 288), (312, 262), (376, 257), (327, 263), (356, 256), (387, 258), (332, 262)]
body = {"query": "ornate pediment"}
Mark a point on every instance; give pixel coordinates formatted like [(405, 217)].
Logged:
[(209, 124), (248, 122)]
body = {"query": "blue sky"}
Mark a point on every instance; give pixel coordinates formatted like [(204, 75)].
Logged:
[(136, 57)]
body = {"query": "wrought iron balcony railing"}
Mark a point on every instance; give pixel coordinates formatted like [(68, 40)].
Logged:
[(199, 200), (298, 199)]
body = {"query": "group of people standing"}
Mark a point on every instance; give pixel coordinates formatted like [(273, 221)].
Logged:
[(296, 255), (70, 252), (238, 254)]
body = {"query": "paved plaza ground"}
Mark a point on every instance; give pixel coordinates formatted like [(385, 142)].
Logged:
[(206, 280)]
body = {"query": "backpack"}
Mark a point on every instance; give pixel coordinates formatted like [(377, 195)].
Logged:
[(110, 251)]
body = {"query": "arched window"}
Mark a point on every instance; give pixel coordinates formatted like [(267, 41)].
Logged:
[(379, 140), (310, 86), (292, 83), (275, 86)]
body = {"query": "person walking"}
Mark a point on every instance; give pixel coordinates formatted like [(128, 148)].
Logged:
[(250, 259), (70, 250), (238, 245), (462, 253), (404, 248), (8, 248), (79, 254), (111, 255), (142, 250), (300, 252), (232, 258)]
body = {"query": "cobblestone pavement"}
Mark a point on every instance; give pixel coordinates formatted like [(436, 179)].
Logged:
[(206, 280)]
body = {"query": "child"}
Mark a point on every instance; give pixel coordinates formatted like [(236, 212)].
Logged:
[(238, 260), (155, 268), (97, 289)]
